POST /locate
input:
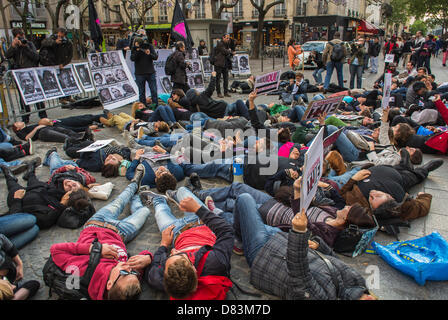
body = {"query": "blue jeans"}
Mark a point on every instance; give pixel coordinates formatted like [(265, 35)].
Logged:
[(164, 217), (343, 179), (141, 80), (131, 225), (339, 69), (9, 164), (55, 162), (348, 151), (20, 228), (374, 64), (356, 71), (317, 75), (162, 113), (249, 227), (225, 197), (221, 168), (238, 108), (166, 140)]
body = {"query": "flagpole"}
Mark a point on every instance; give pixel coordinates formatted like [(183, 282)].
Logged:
[(169, 39)]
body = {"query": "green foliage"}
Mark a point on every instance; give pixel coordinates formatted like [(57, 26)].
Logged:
[(419, 25), (400, 13), (434, 12)]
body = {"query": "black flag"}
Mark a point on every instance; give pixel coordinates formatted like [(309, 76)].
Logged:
[(179, 27), (94, 26)]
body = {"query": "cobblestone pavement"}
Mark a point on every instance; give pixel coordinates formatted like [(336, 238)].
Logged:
[(390, 285)]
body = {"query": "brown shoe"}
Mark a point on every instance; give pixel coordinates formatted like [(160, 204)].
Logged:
[(336, 162), (227, 95), (220, 95)]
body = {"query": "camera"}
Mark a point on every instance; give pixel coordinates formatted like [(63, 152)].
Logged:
[(64, 40), (23, 40)]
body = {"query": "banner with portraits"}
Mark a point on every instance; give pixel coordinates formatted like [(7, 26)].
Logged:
[(113, 81), (49, 82), (207, 67), (195, 78), (240, 64), (164, 82), (29, 85), (68, 81), (82, 71)]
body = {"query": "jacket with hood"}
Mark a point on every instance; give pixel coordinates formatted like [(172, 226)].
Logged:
[(205, 103), (180, 76), (326, 55), (77, 254)]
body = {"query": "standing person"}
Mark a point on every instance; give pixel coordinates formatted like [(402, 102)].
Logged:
[(293, 52), (333, 57), (24, 55), (418, 42), (124, 44), (357, 63), (374, 52), (316, 56), (445, 51), (222, 61), (367, 44), (425, 53), (179, 77), (202, 49), (143, 54), (3, 48), (406, 52)]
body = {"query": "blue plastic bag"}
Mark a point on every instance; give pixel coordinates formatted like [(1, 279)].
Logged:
[(423, 259)]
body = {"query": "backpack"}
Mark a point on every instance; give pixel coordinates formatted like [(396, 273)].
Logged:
[(56, 279), (209, 287), (170, 65), (338, 52), (47, 57)]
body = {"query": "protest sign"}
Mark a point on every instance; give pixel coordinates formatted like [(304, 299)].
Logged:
[(68, 81), (267, 82), (84, 76), (164, 84), (389, 58), (207, 67), (96, 145), (316, 108), (235, 67), (195, 78), (387, 90), (243, 64), (330, 140), (49, 83), (312, 171), (113, 80), (28, 85)]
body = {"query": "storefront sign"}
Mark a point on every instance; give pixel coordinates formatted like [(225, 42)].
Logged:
[(34, 25)]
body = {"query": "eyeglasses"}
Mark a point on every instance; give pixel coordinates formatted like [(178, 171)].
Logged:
[(125, 273)]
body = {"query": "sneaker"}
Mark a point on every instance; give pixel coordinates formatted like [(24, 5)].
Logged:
[(147, 197), (171, 195), (19, 168), (49, 152), (138, 175), (140, 133), (130, 141), (88, 135), (210, 203), (237, 250), (195, 181), (31, 149), (35, 161), (227, 95), (220, 95)]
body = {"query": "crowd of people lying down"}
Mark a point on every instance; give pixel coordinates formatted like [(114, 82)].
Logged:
[(367, 176)]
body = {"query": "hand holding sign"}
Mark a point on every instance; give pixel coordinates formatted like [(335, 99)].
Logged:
[(300, 222)]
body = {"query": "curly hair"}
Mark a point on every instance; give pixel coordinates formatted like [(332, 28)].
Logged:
[(79, 200), (180, 279), (166, 182)]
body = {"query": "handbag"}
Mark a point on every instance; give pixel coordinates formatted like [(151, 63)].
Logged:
[(102, 192)]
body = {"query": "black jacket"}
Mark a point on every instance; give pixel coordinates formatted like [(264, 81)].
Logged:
[(218, 260), (201, 50), (213, 108), (181, 74), (23, 56), (63, 52), (144, 63), (222, 55), (374, 50)]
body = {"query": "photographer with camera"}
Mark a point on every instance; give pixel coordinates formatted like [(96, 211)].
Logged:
[(356, 63), (24, 55), (143, 54)]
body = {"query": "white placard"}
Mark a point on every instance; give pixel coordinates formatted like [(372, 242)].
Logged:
[(84, 75), (267, 82), (387, 90), (96, 145), (389, 58), (29, 85)]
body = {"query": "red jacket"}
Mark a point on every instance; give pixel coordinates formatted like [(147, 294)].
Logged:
[(89, 179), (77, 254)]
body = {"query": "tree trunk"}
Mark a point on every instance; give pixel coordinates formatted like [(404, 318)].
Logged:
[(5, 23), (259, 36)]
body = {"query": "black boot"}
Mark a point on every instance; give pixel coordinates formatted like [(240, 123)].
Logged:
[(138, 175), (432, 165), (195, 181), (30, 170), (49, 152), (88, 135), (405, 161), (8, 173)]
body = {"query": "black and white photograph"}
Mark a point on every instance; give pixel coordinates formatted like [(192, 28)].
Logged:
[(195, 66), (83, 73), (243, 63), (105, 59), (48, 82), (114, 58), (98, 78), (192, 55), (95, 61), (109, 76), (116, 93), (207, 67), (29, 86), (68, 81), (235, 67), (198, 81), (120, 75), (105, 95), (190, 80), (128, 90), (166, 84)]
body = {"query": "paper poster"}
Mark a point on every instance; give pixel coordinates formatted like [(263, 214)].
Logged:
[(49, 82), (243, 64), (235, 67), (68, 81), (387, 90), (316, 108), (312, 171), (28, 85), (159, 66), (267, 82), (112, 79), (96, 145), (389, 58), (195, 79), (207, 67), (192, 55), (83, 73), (330, 140)]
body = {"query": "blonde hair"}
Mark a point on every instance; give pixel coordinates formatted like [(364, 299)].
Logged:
[(134, 108)]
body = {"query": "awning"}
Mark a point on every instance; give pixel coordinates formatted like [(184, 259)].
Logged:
[(366, 27), (158, 26), (40, 31)]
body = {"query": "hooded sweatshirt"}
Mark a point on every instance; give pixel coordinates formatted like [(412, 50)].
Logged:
[(77, 254)]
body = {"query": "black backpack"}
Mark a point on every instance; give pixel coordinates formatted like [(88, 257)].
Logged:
[(56, 279), (170, 65), (338, 52)]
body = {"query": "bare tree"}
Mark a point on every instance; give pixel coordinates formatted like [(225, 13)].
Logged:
[(23, 12), (216, 12), (55, 14), (262, 9)]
